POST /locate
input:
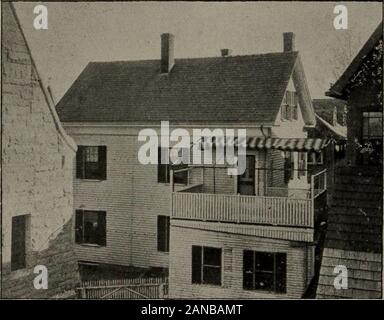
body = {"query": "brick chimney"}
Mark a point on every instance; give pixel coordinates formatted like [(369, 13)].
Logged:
[(167, 58), (226, 52), (289, 41)]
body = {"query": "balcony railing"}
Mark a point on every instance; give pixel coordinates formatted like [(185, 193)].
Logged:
[(190, 202), (280, 211)]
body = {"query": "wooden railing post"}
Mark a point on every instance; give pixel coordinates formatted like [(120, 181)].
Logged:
[(312, 205), (171, 193)]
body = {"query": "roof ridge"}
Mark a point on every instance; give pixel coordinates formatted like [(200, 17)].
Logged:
[(200, 58)]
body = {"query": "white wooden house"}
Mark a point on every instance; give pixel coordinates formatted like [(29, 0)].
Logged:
[(152, 216)]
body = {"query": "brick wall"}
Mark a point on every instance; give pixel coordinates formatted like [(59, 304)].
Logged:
[(36, 173)]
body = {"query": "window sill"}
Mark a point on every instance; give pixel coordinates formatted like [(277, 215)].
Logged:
[(90, 245), (265, 292), (90, 180), (176, 184), (207, 285)]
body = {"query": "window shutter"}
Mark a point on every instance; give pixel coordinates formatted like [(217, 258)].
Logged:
[(294, 112), (281, 272), (163, 174), (289, 112), (161, 233), (196, 264), (102, 162), (248, 269), (79, 226), (168, 226), (102, 229), (18, 242), (80, 162)]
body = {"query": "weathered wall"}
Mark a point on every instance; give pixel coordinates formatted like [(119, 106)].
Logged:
[(36, 173), (299, 259)]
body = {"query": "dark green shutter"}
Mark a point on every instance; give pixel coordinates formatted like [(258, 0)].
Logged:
[(102, 162), (80, 162)]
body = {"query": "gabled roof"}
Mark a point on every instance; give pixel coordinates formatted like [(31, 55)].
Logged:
[(10, 11), (338, 89), (337, 130), (219, 89)]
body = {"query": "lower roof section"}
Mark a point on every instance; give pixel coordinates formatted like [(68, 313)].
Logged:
[(271, 232)]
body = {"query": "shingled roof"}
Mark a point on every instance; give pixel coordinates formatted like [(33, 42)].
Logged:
[(233, 88), (337, 90)]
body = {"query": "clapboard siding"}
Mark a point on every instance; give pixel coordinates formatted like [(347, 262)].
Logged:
[(132, 199), (182, 239)]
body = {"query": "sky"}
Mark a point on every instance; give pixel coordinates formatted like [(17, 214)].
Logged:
[(81, 32)]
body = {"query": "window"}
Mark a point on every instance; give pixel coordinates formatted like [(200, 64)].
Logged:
[(163, 233), (91, 162), (301, 164), (288, 166), (289, 108), (315, 158), (18, 242), (264, 271), (206, 265), (372, 125), (294, 112), (91, 227), (163, 171)]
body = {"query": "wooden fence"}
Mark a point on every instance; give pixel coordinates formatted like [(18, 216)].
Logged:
[(138, 288)]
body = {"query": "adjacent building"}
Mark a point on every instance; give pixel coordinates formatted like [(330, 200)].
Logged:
[(37, 157), (354, 233)]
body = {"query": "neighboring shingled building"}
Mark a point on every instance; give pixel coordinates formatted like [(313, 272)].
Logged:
[(37, 155), (354, 233)]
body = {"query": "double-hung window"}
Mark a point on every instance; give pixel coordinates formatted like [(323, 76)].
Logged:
[(264, 271), (206, 265), (91, 227), (163, 169), (91, 162)]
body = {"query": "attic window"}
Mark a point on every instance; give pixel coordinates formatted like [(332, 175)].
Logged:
[(289, 108)]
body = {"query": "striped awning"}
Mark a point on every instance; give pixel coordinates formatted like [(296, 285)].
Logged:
[(287, 144), (284, 144)]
